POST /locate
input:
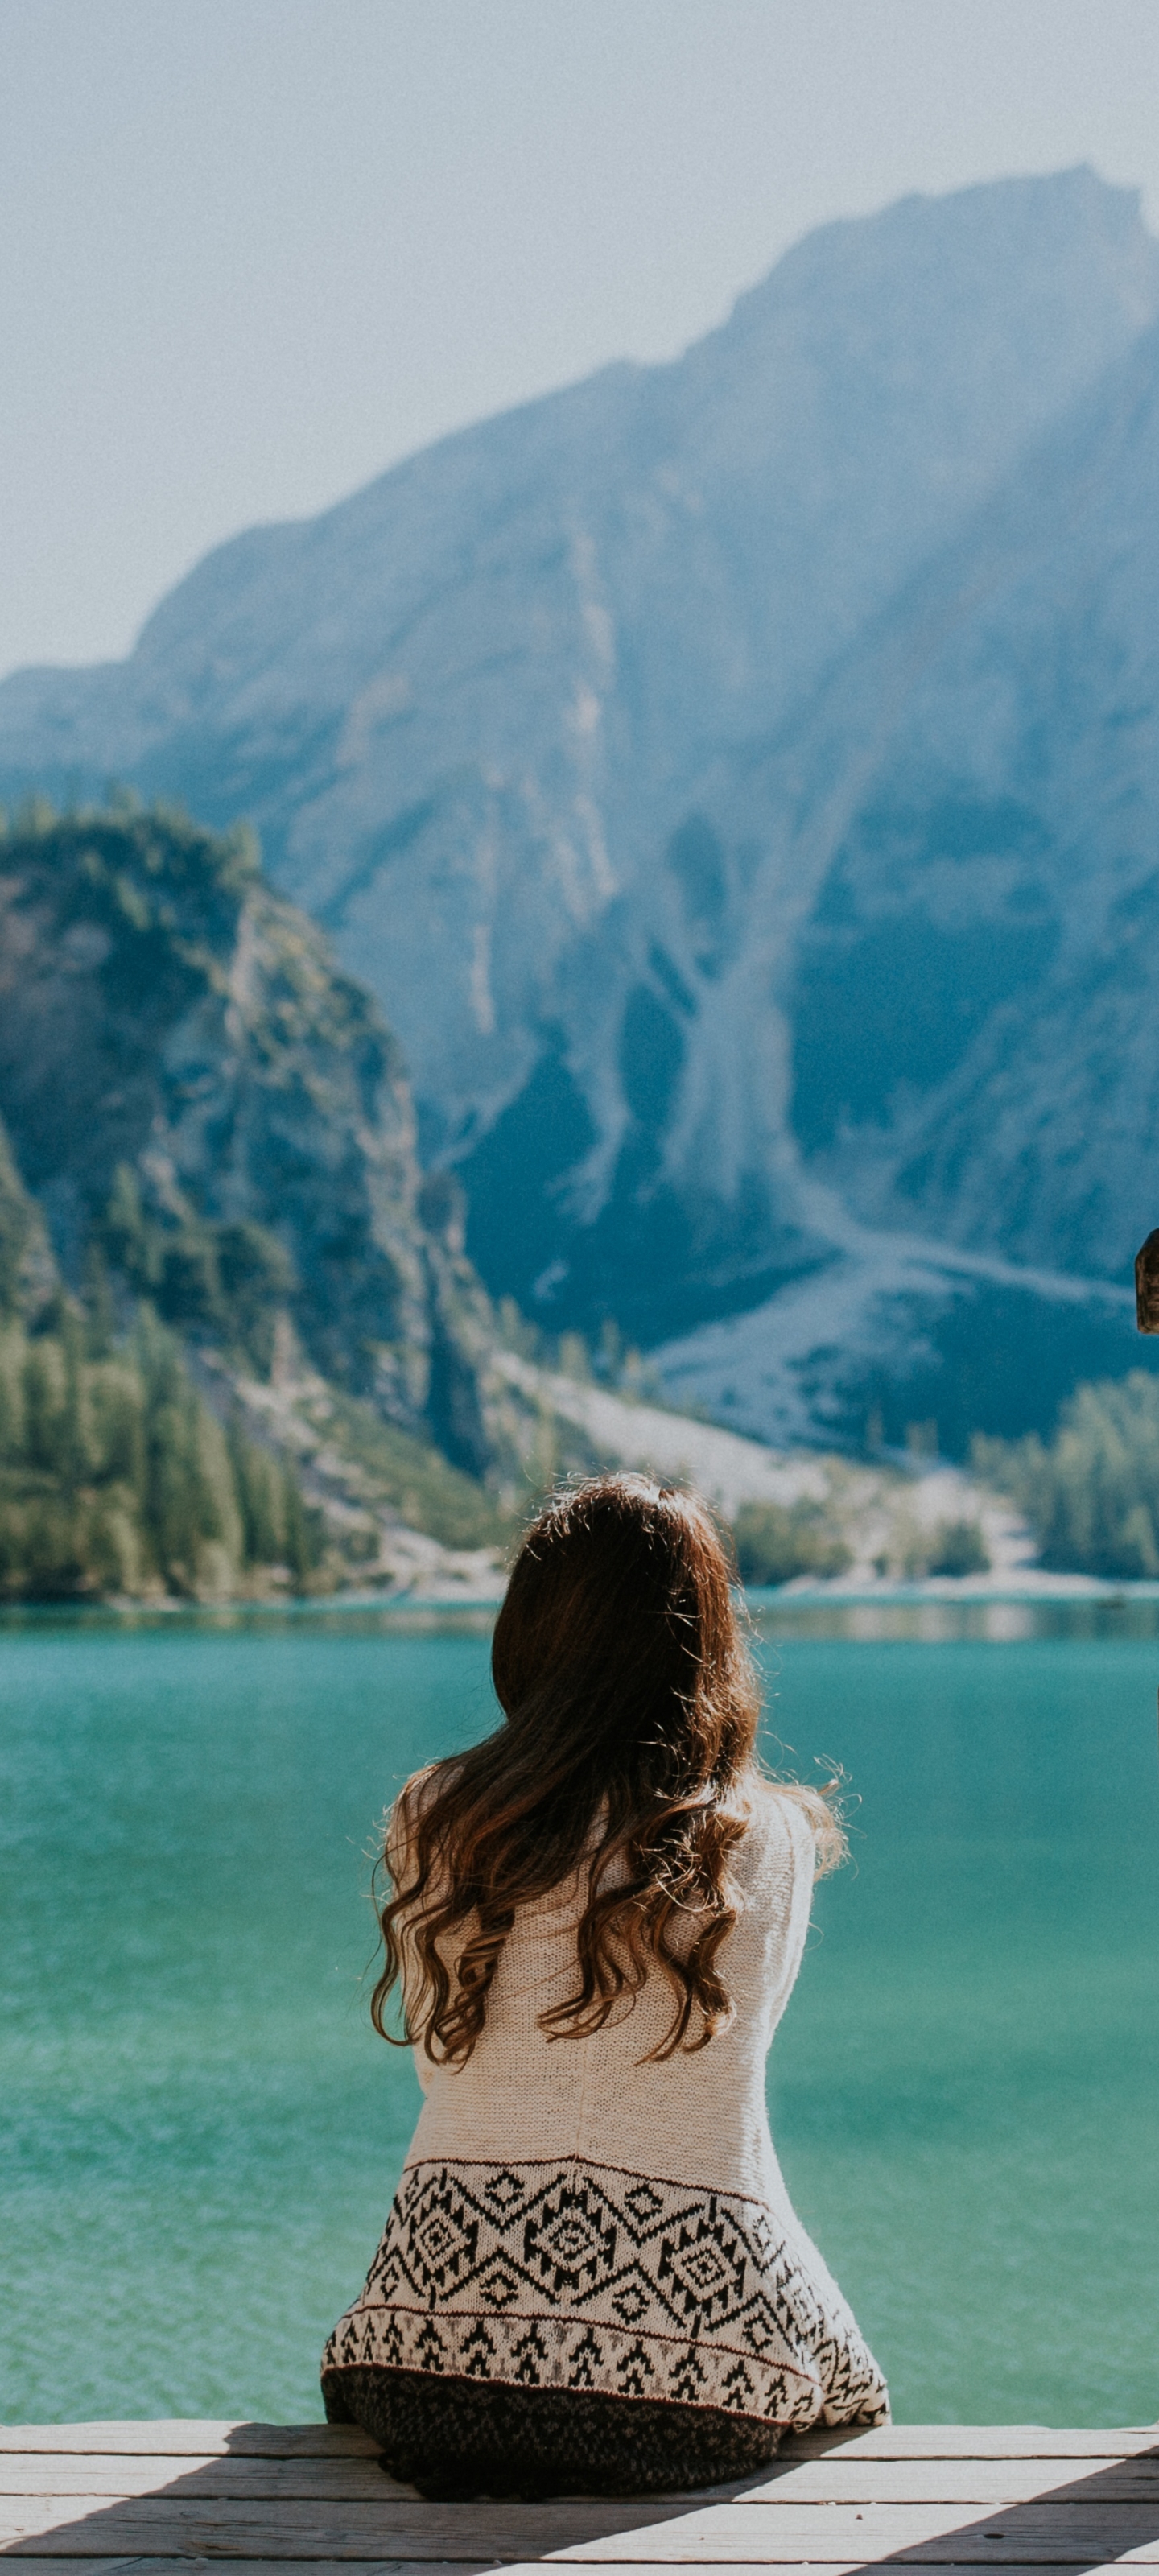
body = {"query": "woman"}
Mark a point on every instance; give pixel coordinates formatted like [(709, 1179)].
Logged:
[(592, 2278)]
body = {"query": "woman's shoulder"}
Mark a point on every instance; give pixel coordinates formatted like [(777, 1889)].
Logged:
[(410, 1804), (420, 1788), (419, 1792), (779, 1830)]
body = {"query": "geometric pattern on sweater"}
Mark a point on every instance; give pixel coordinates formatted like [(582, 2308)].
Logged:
[(582, 2276)]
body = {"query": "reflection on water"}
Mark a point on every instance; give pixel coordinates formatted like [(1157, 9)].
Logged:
[(928, 1623), (201, 2134), (936, 1621), (925, 1617)]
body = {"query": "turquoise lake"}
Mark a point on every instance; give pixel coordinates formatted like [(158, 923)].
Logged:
[(200, 2133)]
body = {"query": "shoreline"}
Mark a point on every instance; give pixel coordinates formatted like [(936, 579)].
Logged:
[(965, 1591)]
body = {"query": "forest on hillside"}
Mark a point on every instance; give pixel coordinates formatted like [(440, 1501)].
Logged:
[(206, 1158), (1090, 1493), (116, 1478)]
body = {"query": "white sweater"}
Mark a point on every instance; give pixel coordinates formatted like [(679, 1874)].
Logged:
[(569, 2216)]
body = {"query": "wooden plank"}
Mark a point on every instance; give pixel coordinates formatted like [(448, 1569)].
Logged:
[(1071, 2532), (860, 2481), (223, 2566), (171, 2435), (320, 2567), (324, 2441), (946, 2565), (838, 2480), (585, 2529), (403, 2527), (153, 2564), (972, 2442), (256, 2480)]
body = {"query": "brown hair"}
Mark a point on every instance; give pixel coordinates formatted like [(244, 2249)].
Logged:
[(630, 1716)]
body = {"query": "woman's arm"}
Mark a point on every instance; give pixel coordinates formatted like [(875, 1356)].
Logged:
[(792, 1862), (399, 1837)]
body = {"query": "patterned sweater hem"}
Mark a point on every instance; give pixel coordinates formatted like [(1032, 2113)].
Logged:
[(571, 2275)]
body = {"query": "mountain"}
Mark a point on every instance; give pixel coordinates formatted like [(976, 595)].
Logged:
[(190, 1086), (210, 1124), (966, 826), (974, 990), (613, 743)]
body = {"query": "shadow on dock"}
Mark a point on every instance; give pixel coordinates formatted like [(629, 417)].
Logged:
[(316, 2495)]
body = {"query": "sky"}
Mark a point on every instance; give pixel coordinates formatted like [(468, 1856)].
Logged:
[(254, 251)]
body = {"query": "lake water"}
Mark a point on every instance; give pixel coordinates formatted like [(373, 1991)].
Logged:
[(201, 2135)]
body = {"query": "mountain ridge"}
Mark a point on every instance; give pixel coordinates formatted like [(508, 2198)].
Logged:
[(529, 725)]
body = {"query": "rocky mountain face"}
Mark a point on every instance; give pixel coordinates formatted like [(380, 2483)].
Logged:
[(203, 1107), (966, 825), (737, 781), (958, 872), (973, 994)]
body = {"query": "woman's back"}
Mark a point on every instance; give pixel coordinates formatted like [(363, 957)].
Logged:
[(591, 2273), (698, 2114)]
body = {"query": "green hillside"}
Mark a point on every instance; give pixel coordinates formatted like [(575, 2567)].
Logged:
[(238, 1335), (1090, 1493)]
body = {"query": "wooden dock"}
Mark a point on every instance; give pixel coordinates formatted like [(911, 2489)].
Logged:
[(152, 2497)]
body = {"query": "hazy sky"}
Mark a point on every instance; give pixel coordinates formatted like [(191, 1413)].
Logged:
[(254, 250)]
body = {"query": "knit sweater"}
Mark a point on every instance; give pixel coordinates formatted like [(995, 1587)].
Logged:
[(573, 2215)]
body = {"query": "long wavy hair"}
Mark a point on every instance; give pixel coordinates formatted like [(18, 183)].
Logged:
[(626, 1754)]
